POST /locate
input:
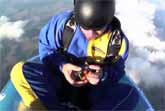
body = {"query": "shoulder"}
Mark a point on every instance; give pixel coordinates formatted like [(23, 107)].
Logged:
[(54, 27), (61, 17), (57, 21)]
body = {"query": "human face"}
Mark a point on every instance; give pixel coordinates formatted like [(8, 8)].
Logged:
[(91, 34)]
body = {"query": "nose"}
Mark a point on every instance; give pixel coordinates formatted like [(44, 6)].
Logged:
[(91, 34)]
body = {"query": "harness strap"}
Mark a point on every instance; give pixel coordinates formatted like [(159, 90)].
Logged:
[(115, 42), (68, 33), (116, 38)]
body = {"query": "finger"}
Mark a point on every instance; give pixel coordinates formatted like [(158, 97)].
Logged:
[(68, 77), (80, 83), (95, 73), (96, 67), (70, 67), (93, 81), (75, 68), (92, 76)]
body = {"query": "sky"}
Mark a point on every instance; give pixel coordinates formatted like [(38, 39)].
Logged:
[(18, 15), (146, 61), (159, 3)]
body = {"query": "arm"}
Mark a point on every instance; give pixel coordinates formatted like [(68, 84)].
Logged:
[(50, 42), (114, 72)]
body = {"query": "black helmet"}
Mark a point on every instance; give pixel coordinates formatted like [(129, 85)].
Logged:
[(94, 14)]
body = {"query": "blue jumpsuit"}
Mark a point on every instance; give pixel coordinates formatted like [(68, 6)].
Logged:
[(50, 85)]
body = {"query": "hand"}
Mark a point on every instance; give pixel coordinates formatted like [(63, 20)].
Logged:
[(94, 77), (67, 70)]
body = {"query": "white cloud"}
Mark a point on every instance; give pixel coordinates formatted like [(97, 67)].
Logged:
[(11, 29), (146, 61)]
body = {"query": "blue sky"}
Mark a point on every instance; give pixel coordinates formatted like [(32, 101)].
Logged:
[(159, 3)]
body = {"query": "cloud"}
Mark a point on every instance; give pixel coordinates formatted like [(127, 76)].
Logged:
[(146, 63), (11, 29)]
